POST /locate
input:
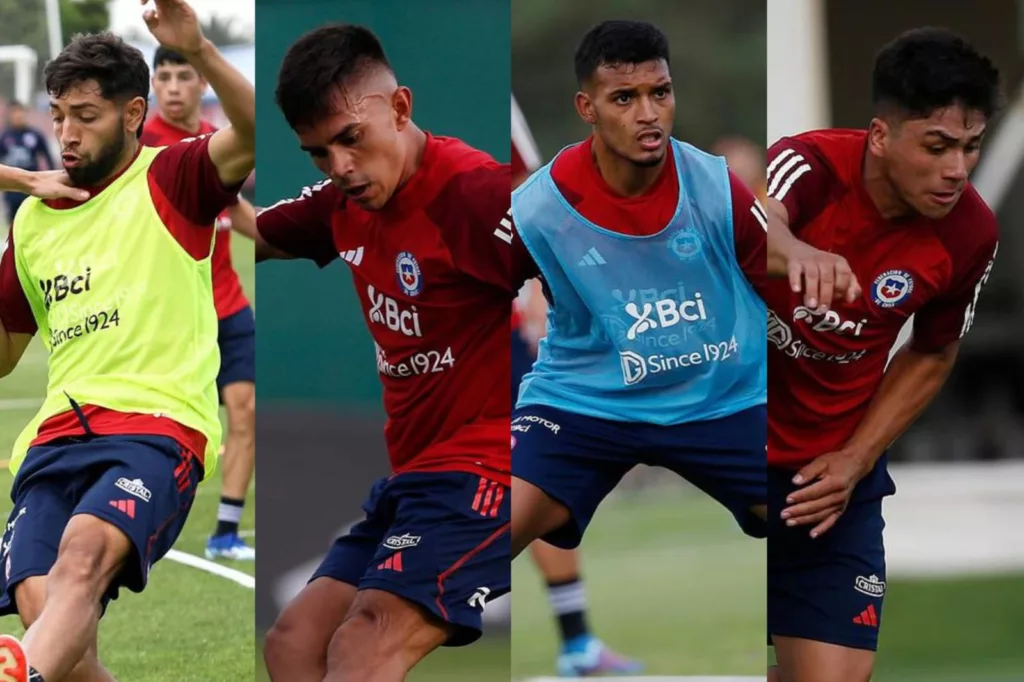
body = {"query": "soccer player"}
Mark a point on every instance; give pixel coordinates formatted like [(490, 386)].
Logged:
[(582, 653), (21, 146), (119, 288), (870, 227), (419, 221), (179, 89), (651, 254)]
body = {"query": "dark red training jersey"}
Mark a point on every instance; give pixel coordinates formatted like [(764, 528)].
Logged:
[(432, 271), (228, 295), (823, 370)]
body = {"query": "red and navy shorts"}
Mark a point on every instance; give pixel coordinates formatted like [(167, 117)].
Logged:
[(142, 485), (440, 540), (829, 589)]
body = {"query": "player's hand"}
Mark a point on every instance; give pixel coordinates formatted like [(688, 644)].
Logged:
[(828, 484), (54, 185), (820, 275), (175, 25)]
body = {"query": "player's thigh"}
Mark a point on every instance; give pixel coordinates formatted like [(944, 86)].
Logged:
[(236, 340), (310, 620), (145, 490), (829, 589), (725, 458), (805, 660), (573, 460), (30, 544), (448, 548)]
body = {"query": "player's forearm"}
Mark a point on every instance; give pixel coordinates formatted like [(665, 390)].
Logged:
[(780, 239), (909, 386), (15, 180), (237, 95), (7, 361), (243, 218)]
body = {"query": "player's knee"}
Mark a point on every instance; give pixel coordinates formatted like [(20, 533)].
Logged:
[(287, 646), (91, 552), (240, 401), (30, 596)]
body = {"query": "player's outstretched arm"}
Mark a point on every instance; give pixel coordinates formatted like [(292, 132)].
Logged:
[(819, 275), (12, 347), (42, 184), (243, 218), (233, 148)]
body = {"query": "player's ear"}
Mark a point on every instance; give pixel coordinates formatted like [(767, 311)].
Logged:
[(401, 102), (134, 114), (585, 108), (878, 135)]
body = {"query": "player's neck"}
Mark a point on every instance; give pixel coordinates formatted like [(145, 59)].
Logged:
[(624, 177), (881, 191), (416, 140), (189, 123)]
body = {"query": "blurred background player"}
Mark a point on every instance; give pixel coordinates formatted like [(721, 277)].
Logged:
[(582, 653), (178, 88), (420, 221), (867, 228), (22, 146)]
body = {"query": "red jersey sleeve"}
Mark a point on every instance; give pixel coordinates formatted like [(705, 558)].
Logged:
[(302, 226), (188, 180), (972, 247), (15, 312), (483, 244), (800, 178), (750, 231)]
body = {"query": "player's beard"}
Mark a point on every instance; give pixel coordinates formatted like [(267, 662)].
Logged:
[(97, 169)]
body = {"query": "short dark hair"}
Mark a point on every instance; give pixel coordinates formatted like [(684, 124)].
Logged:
[(165, 55), (612, 43), (320, 61), (119, 68), (925, 69)]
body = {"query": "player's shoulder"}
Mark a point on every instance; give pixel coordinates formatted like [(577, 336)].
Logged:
[(837, 149), (469, 179)]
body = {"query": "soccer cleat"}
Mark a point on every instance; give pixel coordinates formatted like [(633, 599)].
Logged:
[(229, 546), (13, 663), (588, 656)]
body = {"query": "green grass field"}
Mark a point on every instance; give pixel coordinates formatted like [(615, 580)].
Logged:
[(189, 625), (670, 580)]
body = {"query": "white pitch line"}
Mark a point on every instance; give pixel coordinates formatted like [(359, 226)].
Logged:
[(20, 404), (243, 579)]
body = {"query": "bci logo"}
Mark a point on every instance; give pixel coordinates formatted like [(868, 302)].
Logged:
[(62, 286)]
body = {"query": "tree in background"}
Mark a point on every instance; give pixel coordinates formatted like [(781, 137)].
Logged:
[(24, 23)]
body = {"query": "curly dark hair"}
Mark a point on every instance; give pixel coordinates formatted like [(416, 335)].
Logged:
[(118, 68), (616, 42), (925, 69), (319, 62)]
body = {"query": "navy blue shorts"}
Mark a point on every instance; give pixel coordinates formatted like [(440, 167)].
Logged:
[(440, 540), (143, 485), (236, 337), (829, 589), (578, 460)]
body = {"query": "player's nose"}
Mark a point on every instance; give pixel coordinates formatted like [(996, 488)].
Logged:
[(956, 169), (340, 162)]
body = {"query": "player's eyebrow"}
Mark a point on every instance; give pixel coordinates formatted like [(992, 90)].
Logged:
[(76, 107), (338, 138), (951, 139)]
